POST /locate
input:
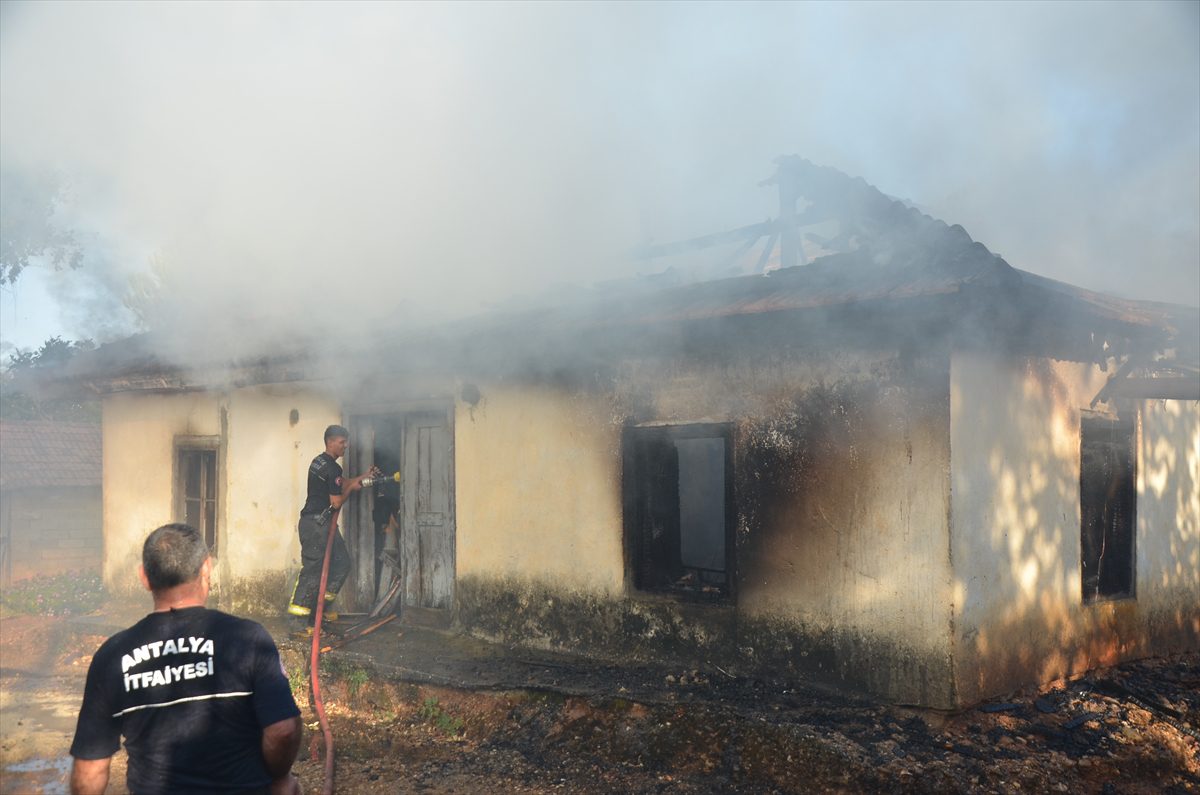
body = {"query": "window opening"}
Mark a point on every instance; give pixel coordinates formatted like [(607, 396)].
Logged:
[(678, 501), (198, 472), (1108, 500)]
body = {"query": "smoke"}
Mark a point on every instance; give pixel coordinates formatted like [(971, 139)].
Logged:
[(262, 170)]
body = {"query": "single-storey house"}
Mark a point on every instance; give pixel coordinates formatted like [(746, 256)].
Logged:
[(904, 465)]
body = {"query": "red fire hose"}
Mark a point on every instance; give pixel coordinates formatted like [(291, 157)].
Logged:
[(314, 669), (314, 673)]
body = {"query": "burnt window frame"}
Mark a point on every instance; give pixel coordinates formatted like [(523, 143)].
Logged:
[(1120, 435), (636, 488), (207, 448)]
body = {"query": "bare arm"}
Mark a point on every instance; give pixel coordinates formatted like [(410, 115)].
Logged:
[(280, 742), (348, 487), (90, 776)]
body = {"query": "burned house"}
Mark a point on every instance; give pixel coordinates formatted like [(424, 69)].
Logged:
[(896, 462)]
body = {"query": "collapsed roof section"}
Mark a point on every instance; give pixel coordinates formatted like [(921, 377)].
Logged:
[(822, 212), (878, 269)]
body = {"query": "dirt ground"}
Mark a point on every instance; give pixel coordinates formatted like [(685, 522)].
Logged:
[(422, 711)]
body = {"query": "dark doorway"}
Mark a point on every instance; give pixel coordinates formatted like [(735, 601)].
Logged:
[(415, 517)]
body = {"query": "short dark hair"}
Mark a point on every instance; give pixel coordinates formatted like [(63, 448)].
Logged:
[(173, 555), (334, 431)]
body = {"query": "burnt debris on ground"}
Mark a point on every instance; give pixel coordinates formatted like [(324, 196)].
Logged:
[(519, 716), (426, 711)]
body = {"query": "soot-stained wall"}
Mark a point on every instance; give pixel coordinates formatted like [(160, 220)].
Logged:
[(841, 470), (844, 544)]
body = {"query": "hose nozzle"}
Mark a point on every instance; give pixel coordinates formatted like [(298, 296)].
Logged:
[(373, 481)]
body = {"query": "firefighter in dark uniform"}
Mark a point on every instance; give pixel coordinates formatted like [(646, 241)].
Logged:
[(327, 490)]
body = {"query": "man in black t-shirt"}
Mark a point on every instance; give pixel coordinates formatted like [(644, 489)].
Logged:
[(200, 696), (327, 490)]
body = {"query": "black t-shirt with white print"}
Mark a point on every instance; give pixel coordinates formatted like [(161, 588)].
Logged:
[(191, 690), (324, 479)]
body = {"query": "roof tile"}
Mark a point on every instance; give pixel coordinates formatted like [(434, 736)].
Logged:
[(40, 453)]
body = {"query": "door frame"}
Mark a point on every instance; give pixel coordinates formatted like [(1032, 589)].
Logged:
[(360, 592)]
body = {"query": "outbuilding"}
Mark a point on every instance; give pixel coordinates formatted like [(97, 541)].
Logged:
[(49, 499)]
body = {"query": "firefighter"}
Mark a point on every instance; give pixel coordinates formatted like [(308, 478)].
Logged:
[(200, 696), (327, 491)]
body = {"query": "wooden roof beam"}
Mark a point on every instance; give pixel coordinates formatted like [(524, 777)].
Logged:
[(1176, 388)]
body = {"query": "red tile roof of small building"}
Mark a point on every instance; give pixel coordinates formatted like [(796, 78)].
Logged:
[(42, 453)]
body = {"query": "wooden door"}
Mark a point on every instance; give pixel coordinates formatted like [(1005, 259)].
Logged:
[(427, 531)]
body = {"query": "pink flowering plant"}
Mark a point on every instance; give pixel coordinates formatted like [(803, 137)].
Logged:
[(69, 594)]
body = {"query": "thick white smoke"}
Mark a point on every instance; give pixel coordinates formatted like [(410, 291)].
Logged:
[(274, 168)]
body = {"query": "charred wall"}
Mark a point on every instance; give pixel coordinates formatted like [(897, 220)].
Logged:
[(641, 628), (840, 471), (843, 541)]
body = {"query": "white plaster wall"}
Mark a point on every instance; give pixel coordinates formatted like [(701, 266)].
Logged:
[(266, 461), (1168, 514), (263, 460), (139, 433), (538, 489), (1015, 518)]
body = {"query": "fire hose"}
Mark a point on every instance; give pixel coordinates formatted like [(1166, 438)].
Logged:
[(314, 674), (314, 670)]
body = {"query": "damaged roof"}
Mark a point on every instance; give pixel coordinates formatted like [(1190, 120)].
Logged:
[(884, 258), (885, 249)]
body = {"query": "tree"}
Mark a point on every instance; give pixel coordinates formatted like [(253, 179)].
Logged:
[(18, 405), (28, 230)]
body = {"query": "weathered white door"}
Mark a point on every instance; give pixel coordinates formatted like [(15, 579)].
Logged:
[(427, 529)]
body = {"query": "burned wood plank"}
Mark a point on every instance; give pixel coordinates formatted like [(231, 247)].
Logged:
[(1121, 373), (766, 252)]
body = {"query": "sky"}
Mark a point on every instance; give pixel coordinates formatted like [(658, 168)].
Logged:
[(267, 169)]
